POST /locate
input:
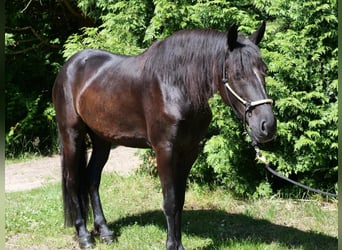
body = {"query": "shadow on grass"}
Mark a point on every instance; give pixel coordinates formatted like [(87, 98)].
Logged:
[(225, 229)]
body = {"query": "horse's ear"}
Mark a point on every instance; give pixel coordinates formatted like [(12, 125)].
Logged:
[(258, 35), (232, 36)]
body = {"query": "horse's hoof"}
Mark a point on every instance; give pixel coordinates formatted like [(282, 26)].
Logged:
[(105, 234), (86, 242), (109, 238), (174, 246)]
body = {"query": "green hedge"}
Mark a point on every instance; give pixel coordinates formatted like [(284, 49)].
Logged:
[(300, 49)]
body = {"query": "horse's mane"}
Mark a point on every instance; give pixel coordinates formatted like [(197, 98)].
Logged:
[(192, 60), (189, 60)]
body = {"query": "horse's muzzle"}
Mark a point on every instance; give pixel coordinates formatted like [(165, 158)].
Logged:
[(264, 130)]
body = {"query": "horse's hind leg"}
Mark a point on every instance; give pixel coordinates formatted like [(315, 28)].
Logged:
[(75, 194), (99, 157)]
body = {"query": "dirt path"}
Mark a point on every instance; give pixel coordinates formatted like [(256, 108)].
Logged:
[(33, 174)]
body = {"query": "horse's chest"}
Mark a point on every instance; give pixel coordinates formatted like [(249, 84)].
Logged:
[(193, 129)]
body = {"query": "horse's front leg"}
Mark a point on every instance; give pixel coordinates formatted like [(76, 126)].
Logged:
[(173, 214), (173, 175)]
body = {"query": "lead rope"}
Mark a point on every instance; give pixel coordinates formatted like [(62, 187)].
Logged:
[(267, 166)]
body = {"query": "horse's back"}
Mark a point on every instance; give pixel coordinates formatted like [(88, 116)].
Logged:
[(83, 64)]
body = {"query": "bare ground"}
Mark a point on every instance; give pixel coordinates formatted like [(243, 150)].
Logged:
[(33, 174)]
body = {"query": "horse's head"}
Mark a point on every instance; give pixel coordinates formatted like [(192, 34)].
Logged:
[(244, 84)]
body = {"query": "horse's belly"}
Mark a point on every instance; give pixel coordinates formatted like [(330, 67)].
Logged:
[(126, 131), (120, 122)]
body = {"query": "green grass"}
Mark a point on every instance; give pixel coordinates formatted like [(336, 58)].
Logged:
[(211, 220)]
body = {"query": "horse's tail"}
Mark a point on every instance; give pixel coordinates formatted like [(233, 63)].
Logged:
[(81, 188)]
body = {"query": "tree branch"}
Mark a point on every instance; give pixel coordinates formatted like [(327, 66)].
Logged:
[(83, 18), (21, 51), (70, 9), (22, 11), (34, 32)]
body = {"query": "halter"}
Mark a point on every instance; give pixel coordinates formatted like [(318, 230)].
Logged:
[(248, 105)]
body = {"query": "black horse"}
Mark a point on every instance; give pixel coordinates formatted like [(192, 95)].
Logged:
[(157, 99)]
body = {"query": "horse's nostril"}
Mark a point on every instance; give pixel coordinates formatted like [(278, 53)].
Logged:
[(265, 129), (263, 125)]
